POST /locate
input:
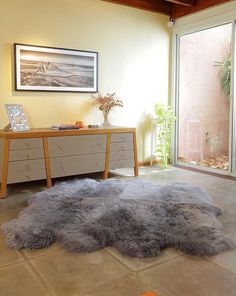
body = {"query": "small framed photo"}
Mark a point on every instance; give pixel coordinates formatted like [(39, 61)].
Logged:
[(17, 117), (42, 68)]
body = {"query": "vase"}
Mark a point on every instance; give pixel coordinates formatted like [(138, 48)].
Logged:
[(106, 122)]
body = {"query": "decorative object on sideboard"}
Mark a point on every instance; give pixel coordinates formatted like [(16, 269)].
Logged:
[(106, 103), (93, 126), (61, 126), (39, 68), (17, 118), (68, 126), (79, 123)]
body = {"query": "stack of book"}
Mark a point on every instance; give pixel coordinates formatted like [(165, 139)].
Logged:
[(64, 126)]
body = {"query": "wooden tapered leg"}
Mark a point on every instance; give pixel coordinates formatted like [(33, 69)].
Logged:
[(47, 162), (105, 173), (135, 154), (4, 168)]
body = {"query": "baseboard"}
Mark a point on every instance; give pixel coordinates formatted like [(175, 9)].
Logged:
[(198, 170)]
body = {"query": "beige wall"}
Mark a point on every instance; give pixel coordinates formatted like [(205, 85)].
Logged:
[(133, 48)]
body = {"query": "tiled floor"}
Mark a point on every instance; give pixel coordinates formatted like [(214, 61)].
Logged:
[(56, 272)]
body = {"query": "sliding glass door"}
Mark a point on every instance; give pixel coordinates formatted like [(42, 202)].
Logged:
[(204, 99)]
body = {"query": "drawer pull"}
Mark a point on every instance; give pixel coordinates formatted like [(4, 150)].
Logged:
[(28, 177), (59, 148), (95, 165), (27, 145), (27, 167), (122, 156), (96, 147), (27, 156), (61, 168), (122, 147)]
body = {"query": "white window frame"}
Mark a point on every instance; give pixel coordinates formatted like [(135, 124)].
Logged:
[(210, 18)]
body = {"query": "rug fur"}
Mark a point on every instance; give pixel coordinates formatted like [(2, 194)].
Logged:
[(139, 218)]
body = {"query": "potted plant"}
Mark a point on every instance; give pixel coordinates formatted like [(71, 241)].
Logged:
[(165, 125)]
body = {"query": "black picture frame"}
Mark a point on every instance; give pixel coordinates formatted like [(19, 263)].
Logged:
[(43, 68)]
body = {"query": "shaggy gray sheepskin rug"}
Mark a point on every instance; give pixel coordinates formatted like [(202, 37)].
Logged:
[(139, 218)]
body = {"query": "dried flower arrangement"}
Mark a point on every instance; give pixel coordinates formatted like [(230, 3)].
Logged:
[(106, 103)]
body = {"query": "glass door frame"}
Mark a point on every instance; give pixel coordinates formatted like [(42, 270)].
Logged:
[(176, 35), (233, 103)]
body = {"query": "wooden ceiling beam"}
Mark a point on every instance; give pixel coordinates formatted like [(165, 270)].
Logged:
[(183, 2), (173, 8), (160, 6), (179, 11)]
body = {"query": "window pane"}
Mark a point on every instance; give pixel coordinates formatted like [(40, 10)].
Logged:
[(204, 99)]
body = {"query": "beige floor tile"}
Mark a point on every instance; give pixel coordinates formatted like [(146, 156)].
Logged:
[(14, 202), (18, 196), (55, 248), (4, 219), (191, 276), (229, 186), (2, 239), (220, 197), (71, 273), (136, 264), (8, 256), (19, 280), (130, 285), (231, 208), (228, 219), (226, 260), (10, 212), (8, 217), (159, 179)]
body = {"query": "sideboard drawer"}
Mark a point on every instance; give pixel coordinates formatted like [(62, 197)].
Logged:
[(122, 137), (16, 144), (122, 146), (121, 155), (76, 145), (75, 165), (17, 177), (26, 154), (118, 164), (26, 165)]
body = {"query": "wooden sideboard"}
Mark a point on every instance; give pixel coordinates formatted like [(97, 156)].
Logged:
[(45, 153)]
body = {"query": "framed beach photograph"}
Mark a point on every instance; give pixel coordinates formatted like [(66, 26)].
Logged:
[(39, 68), (17, 117)]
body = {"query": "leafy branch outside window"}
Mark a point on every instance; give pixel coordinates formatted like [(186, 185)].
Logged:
[(225, 75)]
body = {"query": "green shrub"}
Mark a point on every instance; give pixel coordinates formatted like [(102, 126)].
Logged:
[(165, 125)]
